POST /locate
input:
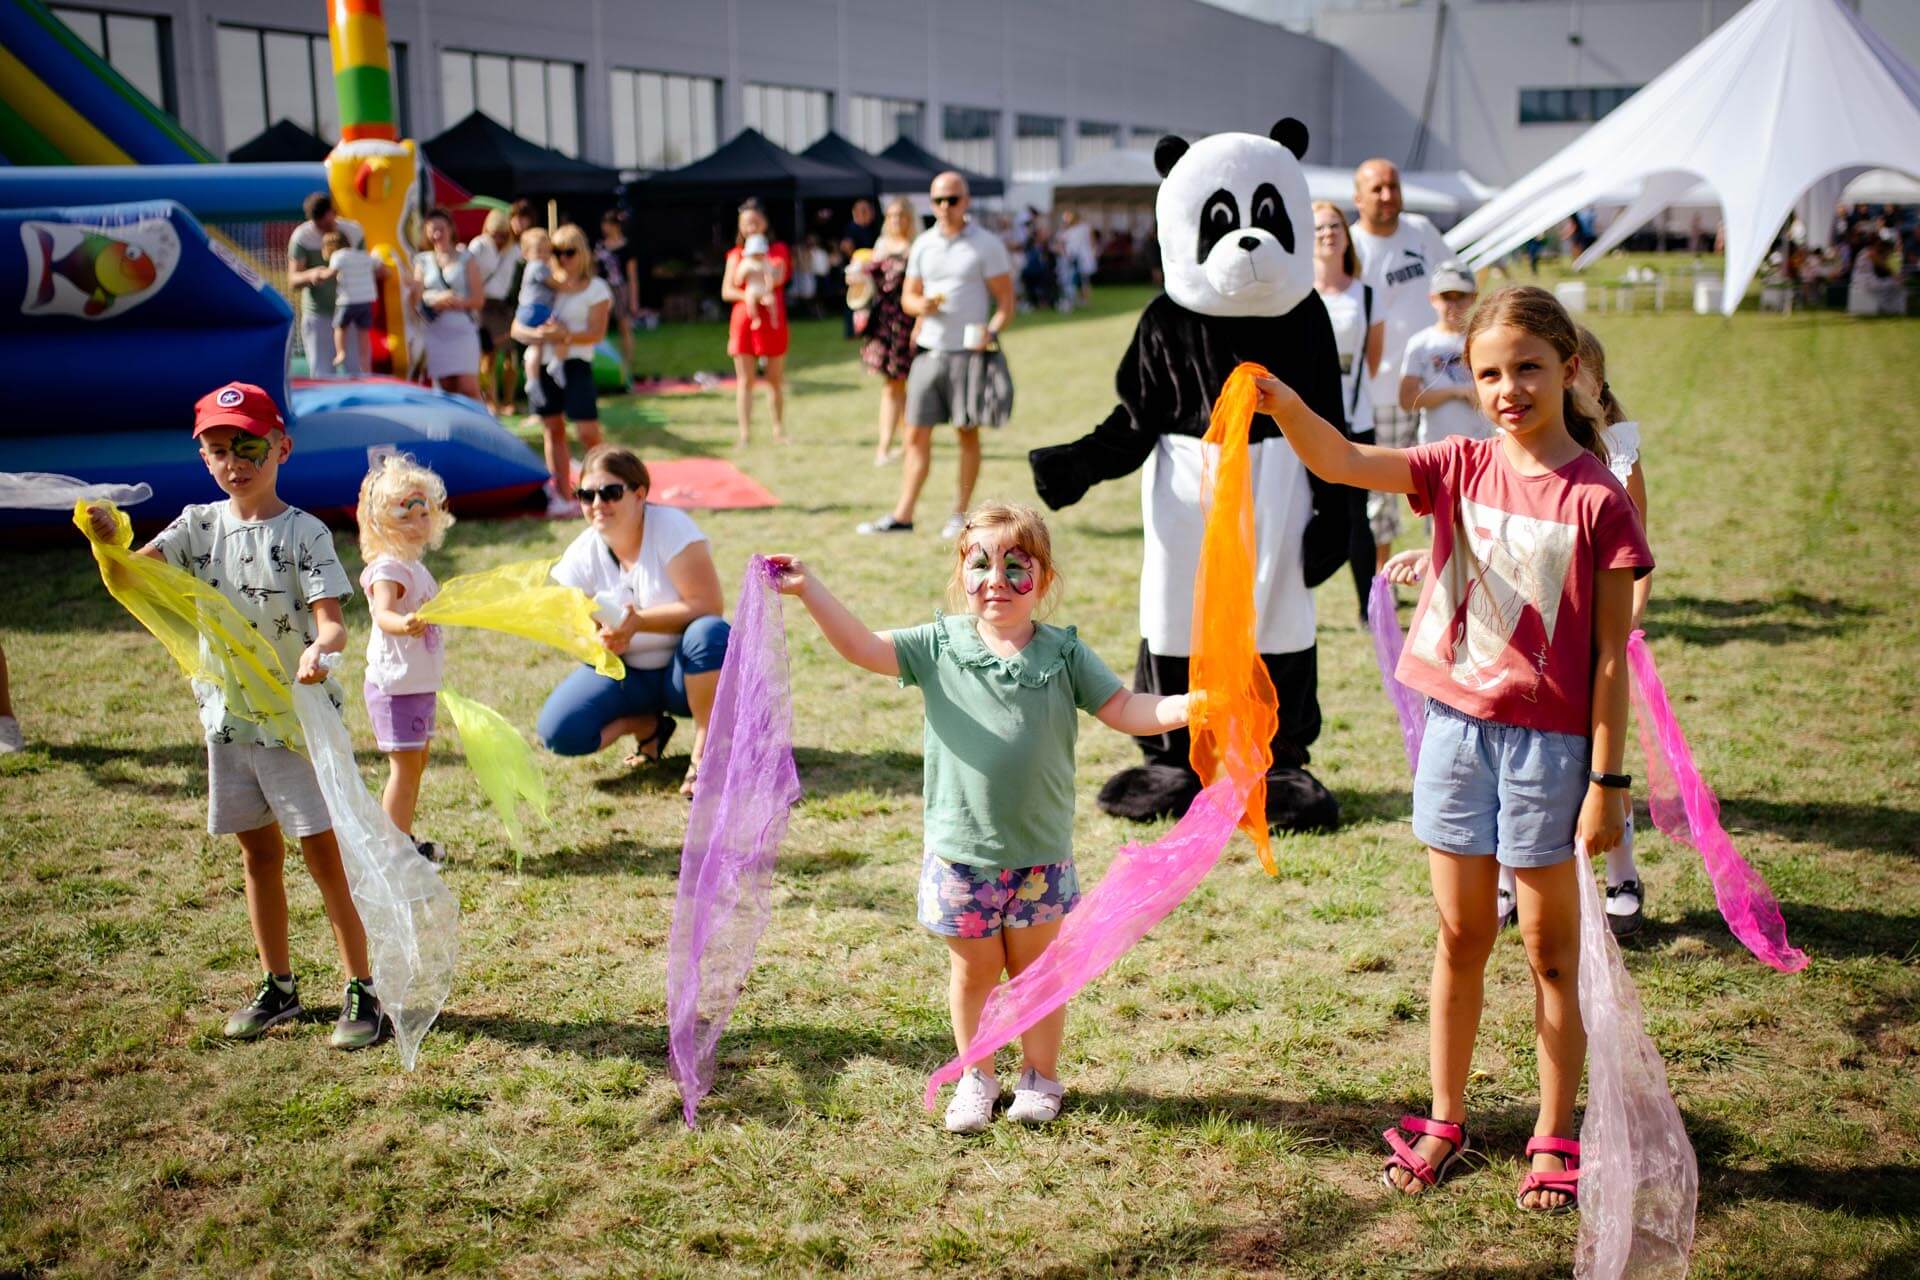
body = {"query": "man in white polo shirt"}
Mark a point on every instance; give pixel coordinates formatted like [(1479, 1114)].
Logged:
[(1399, 252), (960, 286)]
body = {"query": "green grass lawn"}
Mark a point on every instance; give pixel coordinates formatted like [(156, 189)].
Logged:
[(1228, 1079)]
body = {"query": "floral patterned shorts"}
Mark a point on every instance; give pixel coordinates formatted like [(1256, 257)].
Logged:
[(961, 901)]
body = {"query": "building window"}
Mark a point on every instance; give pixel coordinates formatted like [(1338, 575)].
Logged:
[(1092, 138), (966, 139), (139, 47), (1572, 106), (663, 121), (877, 123), (1143, 137), (1036, 148), (792, 118), (267, 76), (536, 98)]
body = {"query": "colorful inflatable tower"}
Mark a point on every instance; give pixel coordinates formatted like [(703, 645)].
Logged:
[(372, 172)]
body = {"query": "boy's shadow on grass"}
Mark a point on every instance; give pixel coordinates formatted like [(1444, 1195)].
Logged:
[(109, 767), (1785, 619), (613, 856)]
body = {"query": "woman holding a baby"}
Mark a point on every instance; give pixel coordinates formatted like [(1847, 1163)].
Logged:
[(755, 283)]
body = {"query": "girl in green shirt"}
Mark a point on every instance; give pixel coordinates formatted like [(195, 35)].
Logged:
[(1002, 695)]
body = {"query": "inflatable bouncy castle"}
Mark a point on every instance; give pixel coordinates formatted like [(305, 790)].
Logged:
[(128, 313), (134, 278)]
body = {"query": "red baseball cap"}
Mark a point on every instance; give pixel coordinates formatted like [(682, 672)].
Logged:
[(238, 404)]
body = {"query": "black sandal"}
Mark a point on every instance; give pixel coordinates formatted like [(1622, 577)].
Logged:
[(663, 727)]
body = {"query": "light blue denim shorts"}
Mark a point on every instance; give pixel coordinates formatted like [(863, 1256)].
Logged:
[(1487, 788)]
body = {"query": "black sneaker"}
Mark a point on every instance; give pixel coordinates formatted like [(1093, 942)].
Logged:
[(885, 524), (430, 850), (271, 1006), (363, 1022), (1627, 923)]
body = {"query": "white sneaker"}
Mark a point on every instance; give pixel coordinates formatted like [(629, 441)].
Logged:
[(11, 739), (971, 1108), (955, 526), (1036, 1099), (559, 508)]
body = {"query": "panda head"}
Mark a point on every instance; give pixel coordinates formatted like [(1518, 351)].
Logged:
[(1235, 221)]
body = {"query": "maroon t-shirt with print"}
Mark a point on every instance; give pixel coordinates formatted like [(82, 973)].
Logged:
[(1504, 628)]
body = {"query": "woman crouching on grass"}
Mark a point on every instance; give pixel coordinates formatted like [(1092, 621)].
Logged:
[(1001, 693)]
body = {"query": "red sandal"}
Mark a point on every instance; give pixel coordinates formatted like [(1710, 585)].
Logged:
[(1405, 1157), (1566, 1181)]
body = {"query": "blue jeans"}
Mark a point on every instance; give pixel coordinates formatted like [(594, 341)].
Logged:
[(586, 702)]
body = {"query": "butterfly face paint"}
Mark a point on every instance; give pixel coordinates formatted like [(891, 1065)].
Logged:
[(1016, 565)]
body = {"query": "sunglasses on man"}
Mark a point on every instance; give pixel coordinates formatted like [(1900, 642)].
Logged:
[(940, 201), (609, 494)]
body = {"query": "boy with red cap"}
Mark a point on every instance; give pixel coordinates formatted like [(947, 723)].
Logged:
[(277, 565)]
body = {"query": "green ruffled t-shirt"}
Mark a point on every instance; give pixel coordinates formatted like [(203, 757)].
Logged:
[(999, 739)]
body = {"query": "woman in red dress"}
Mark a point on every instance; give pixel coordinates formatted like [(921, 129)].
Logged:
[(747, 343)]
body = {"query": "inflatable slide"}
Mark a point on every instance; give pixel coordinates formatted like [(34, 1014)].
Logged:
[(114, 319)]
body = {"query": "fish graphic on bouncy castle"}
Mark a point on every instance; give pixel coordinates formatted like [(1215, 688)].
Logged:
[(95, 272)]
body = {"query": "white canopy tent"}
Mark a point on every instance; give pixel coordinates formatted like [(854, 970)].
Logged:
[(1786, 103)]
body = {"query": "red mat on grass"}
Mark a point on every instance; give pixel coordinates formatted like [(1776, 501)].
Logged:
[(682, 387), (706, 484)]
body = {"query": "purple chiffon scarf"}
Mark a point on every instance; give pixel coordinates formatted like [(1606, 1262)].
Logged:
[(1383, 619), (747, 787)]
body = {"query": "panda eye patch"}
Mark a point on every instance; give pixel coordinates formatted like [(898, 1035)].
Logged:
[(1270, 214), (1219, 218)]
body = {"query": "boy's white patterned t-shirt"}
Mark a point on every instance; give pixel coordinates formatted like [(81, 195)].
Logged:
[(272, 571)]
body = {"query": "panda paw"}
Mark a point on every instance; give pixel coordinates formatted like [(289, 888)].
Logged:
[(1147, 792)]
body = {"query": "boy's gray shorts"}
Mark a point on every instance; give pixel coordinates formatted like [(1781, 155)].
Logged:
[(249, 786)]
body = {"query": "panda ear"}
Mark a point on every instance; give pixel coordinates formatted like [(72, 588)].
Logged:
[(1292, 135), (1167, 153)]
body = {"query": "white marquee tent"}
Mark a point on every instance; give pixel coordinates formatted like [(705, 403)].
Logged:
[(1777, 110)]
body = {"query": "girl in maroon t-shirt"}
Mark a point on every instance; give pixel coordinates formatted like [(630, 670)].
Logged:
[(1519, 643)]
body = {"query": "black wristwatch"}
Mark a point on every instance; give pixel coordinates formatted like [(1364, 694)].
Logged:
[(1621, 781)]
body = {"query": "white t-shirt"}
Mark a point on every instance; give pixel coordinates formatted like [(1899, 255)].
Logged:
[(958, 267), (1347, 309), (272, 571), (404, 664), (573, 310), (1623, 448), (1439, 359), (1400, 268), (496, 265), (355, 281), (590, 565)]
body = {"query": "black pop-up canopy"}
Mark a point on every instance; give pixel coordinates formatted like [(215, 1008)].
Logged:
[(910, 153), (487, 158), (888, 175), (751, 164)]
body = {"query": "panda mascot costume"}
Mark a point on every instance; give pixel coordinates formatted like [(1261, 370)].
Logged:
[(1236, 247)]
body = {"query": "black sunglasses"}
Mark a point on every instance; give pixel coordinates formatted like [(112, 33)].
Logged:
[(606, 493), (566, 253), (940, 200)]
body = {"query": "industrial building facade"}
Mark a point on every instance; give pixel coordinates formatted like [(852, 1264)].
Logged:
[(1018, 88)]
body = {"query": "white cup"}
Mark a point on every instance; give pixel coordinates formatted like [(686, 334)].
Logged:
[(975, 336)]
